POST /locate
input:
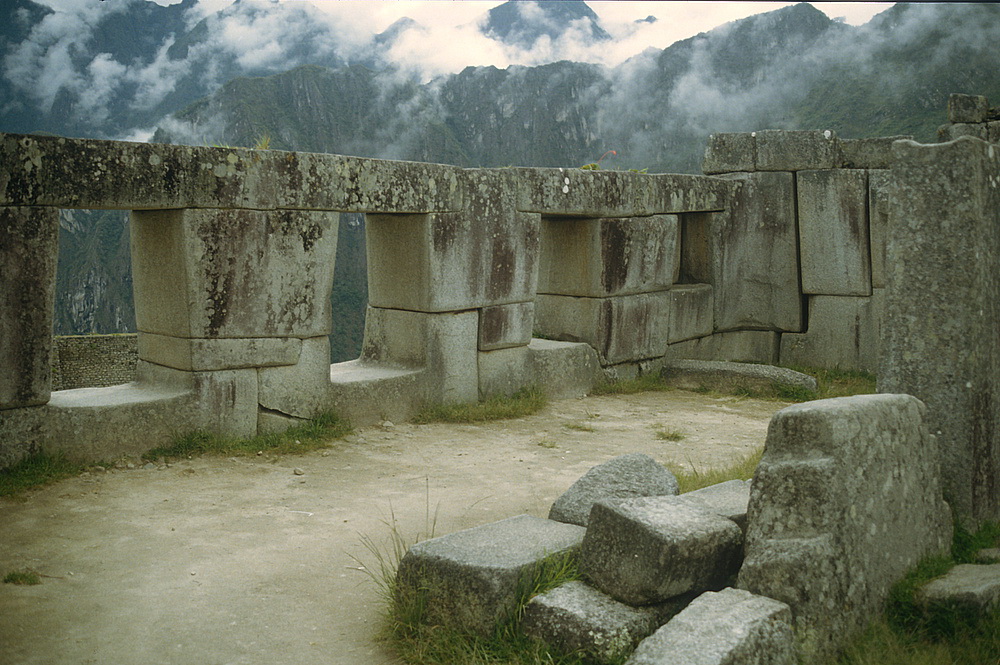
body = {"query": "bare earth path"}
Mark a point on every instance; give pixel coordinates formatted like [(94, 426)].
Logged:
[(214, 561)]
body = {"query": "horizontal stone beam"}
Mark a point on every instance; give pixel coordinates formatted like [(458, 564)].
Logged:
[(85, 173)]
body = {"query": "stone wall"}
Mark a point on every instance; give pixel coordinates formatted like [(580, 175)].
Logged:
[(93, 361)]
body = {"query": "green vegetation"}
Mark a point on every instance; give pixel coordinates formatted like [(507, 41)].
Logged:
[(36, 471), (643, 383), (741, 469), (310, 435), (579, 427), (522, 403), (664, 434), (908, 634), (22, 577)]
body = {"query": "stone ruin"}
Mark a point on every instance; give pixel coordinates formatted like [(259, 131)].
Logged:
[(796, 247)]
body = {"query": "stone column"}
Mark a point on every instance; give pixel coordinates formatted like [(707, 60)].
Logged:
[(941, 333)]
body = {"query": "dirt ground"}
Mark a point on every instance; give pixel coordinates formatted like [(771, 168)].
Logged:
[(233, 561)]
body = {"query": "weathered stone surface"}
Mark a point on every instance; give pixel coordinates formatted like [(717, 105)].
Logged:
[(608, 256), (841, 478), (833, 232), (620, 329), (729, 499), (972, 587), (563, 369), (648, 549), (233, 273), (88, 173), (993, 131), (470, 578), (631, 475), (782, 150), (366, 393), (940, 341), (968, 108), (692, 311), (577, 618), (29, 249), (988, 555), (504, 371), (446, 344), (722, 375), (504, 326), (844, 332), (742, 346), (584, 193), (300, 390), (879, 182), (749, 254), (730, 152), (731, 627), (958, 130), (212, 354), (871, 153)]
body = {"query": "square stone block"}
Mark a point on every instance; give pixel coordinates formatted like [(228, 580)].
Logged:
[(738, 346), (503, 326), (833, 232), (470, 580), (563, 369), (301, 390), (609, 256), (729, 152), (504, 371), (873, 153), (879, 183), (784, 150), (844, 333), (967, 108), (646, 550), (692, 311), (233, 273), (729, 499), (212, 354)]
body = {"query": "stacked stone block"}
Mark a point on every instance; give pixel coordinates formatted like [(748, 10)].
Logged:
[(971, 115)]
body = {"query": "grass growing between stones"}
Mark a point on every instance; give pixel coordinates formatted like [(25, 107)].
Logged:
[(741, 469), (641, 384), (522, 403), (310, 435), (910, 635), (22, 578), (36, 471)]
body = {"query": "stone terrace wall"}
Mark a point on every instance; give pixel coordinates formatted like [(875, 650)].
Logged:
[(86, 361)]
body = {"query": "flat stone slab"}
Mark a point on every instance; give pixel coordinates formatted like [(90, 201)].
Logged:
[(646, 550), (729, 499), (631, 475), (698, 374), (576, 617), (471, 579), (988, 555), (731, 627), (970, 586)]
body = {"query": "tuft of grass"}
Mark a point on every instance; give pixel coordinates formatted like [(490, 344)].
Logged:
[(22, 577), (580, 427), (840, 382), (522, 403), (741, 469), (664, 434), (644, 383), (36, 471)]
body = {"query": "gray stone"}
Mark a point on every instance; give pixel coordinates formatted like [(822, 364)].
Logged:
[(753, 346), (729, 499), (211, 354), (729, 152), (630, 475), (367, 393), (646, 550), (879, 183), (782, 150), (727, 376), (505, 326), (621, 328), (871, 153), (233, 273), (993, 131), (844, 333), (692, 312), (471, 579), (504, 371), (731, 627), (563, 369), (300, 390), (608, 256), (833, 232), (577, 618), (840, 479), (940, 342), (749, 254), (988, 555), (89, 173), (29, 250), (972, 587), (958, 130), (968, 108)]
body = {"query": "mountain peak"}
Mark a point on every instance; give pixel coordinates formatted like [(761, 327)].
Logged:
[(523, 22)]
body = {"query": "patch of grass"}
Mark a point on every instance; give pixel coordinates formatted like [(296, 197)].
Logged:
[(36, 471), (741, 469), (664, 434), (310, 435), (579, 427), (640, 384), (522, 403), (840, 382), (22, 577), (547, 444)]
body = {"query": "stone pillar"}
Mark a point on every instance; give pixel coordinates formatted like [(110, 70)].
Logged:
[(941, 332), (29, 250)]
